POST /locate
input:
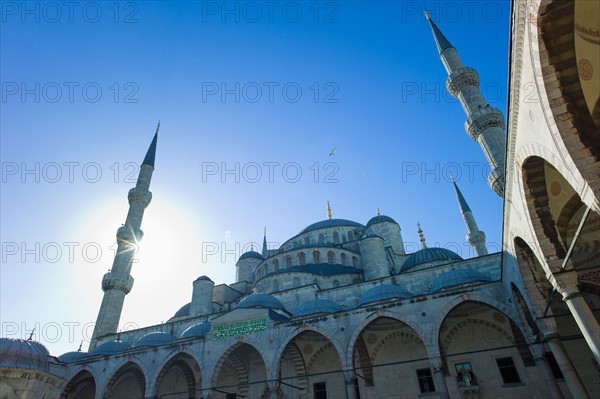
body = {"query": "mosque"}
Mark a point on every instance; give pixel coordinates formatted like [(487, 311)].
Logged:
[(340, 310)]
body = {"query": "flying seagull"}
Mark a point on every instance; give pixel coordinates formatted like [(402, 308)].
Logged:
[(332, 152)]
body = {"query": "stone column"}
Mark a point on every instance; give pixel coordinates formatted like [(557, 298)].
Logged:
[(542, 362), (438, 377), (566, 367), (566, 285), (350, 379), (274, 389)]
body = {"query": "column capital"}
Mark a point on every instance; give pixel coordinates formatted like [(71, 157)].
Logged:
[(565, 284), (537, 350)]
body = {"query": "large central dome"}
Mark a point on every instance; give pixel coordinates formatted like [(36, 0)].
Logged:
[(323, 224)]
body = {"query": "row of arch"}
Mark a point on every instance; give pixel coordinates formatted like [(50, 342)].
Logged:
[(324, 238), (309, 357)]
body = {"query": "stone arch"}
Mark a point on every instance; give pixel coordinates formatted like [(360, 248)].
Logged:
[(81, 386), (301, 259), (128, 382), (524, 311), (562, 87), (316, 257), (382, 349), (319, 361), (233, 372), (537, 287), (180, 364), (344, 259), (330, 257)]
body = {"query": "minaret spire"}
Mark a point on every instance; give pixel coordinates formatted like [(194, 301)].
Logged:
[(475, 237), (264, 246), (484, 124), (328, 211), (421, 236), (118, 281)]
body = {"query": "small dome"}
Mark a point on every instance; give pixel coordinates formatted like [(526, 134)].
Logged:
[(260, 301), (457, 277), (110, 348), (197, 330), (71, 357), (380, 219), (323, 224), (426, 255), (203, 278), (317, 306), (23, 354), (156, 338), (251, 255), (183, 311), (383, 292)]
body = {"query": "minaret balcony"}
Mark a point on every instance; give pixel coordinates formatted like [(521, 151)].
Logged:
[(138, 196), (117, 281), (496, 180), (459, 79), (486, 118)]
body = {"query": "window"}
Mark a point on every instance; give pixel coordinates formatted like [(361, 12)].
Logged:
[(275, 265), (336, 237), (507, 368), (330, 257), (425, 380), (344, 259), (465, 375), (288, 262), (554, 365), (321, 239), (302, 259), (307, 240), (354, 261), (319, 390), (316, 257)]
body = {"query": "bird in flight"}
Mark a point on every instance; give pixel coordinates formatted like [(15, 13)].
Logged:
[(332, 152)]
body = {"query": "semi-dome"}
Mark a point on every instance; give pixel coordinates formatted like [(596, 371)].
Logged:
[(251, 255), (317, 306), (260, 301), (156, 338), (197, 330), (183, 311), (110, 348), (457, 277), (71, 357), (203, 278), (323, 224), (23, 354), (427, 255), (380, 219), (383, 292)]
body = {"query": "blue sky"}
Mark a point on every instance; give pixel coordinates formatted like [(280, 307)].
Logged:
[(262, 91)]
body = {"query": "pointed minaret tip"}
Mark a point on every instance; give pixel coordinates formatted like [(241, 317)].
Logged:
[(421, 236), (151, 154), (440, 40), (426, 14), (462, 202)]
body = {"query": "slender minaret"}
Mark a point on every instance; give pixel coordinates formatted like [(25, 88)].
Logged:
[(484, 124), (118, 282), (475, 237), (421, 236), (265, 252)]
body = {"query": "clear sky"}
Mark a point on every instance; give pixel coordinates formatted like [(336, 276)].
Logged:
[(252, 98)]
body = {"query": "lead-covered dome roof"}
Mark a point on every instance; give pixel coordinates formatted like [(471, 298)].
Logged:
[(265, 301), (71, 357), (197, 330), (323, 224), (457, 277), (383, 292), (427, 255), (317, 306), (110, 348), (380, 219), (23, 354), (156, 338), (251, 255)]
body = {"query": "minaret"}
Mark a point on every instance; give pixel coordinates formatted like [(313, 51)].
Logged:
[(485, 124), (475, 237), (421, 236), (265, 252), (118, 282)]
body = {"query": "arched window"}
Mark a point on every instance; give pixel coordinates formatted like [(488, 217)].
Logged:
[(302, 259), (336, 237), (336, 283), (344, 259), (316, 257), (275, 265), (288, 262), (296, 282), (307, 240), (354, 261), (321, 239), (330, 257)]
